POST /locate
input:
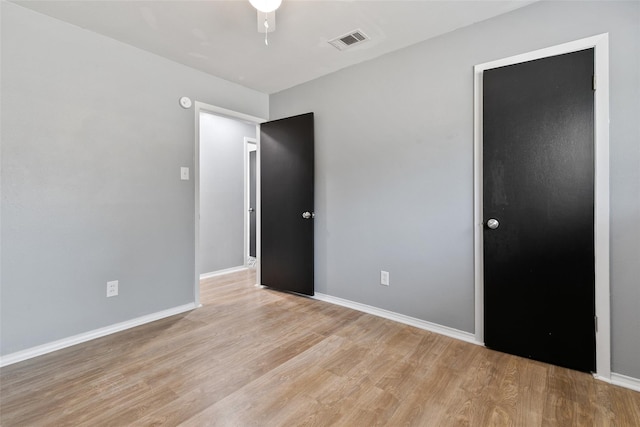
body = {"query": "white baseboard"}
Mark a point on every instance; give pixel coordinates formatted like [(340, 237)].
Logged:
[(29, 353), (616, 379), (221, 272), (401, 318), (625, 381)]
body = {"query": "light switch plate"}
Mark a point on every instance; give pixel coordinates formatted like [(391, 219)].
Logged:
[(184, 174), (384, 278)]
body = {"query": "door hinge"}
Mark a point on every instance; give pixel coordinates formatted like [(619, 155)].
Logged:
[(595, 322), (593, 82)]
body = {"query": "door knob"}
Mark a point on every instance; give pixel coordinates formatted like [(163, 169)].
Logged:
[(308, 215), (493, 223), (251, 210)]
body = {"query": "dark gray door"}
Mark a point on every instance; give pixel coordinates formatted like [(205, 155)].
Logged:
[(286, 204), (538, 186), (252, 204)]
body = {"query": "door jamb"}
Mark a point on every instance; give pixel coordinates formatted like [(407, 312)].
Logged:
[(247, 195), (600, 43), (201, 107)]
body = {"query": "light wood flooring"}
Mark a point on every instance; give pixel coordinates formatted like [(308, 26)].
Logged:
[(257, 357)]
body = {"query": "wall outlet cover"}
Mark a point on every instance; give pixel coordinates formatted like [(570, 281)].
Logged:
[(112, 288)]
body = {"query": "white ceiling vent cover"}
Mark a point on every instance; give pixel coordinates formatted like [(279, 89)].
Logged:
[(350, 39)]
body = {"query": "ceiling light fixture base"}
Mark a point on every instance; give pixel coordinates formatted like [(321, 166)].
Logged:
[(266, 6)]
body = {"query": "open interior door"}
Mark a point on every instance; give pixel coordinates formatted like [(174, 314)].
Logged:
[(286, 204)]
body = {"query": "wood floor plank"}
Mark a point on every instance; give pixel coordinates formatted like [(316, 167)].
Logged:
[(257, 357)]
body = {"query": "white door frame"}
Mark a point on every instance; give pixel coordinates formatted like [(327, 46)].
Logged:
[(201, 107), (600, 43), (247, 196)]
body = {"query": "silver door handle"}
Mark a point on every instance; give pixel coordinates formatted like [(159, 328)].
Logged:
[(493, 223), (308, 215), (251, 210)]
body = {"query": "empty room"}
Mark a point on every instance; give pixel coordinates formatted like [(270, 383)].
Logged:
[(319, 213)]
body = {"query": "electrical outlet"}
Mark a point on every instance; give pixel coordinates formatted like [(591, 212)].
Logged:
[(112, 288), (384, 278)]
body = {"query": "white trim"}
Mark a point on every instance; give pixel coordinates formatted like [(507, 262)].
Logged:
[(601, 226), (247, 195), (196, 196), (600, 43), (235, 115), (32, 352), (223, 272), (258, 208), (201, 107), (401, 318), (625, 381)]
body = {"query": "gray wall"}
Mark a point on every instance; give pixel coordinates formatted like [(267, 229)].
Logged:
[(394, 166), (92, 142), (222, 192)]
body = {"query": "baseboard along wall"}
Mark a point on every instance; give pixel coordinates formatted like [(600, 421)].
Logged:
[(221, 272), (616, 379), (401, 318), (39, 350), (625, 381)]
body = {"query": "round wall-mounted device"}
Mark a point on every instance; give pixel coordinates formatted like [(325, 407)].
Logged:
[(185, 102)]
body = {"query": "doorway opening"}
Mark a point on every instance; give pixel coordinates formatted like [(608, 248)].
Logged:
[(601, 187), (251, 200), (221, 200)]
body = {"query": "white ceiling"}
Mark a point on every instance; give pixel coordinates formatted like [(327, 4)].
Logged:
[(221, 38)]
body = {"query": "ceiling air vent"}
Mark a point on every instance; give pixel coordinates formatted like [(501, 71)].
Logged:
[(348, 40)]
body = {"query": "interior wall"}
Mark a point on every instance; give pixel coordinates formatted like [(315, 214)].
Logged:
[(93, 140), (222, 192), (394, 166)]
